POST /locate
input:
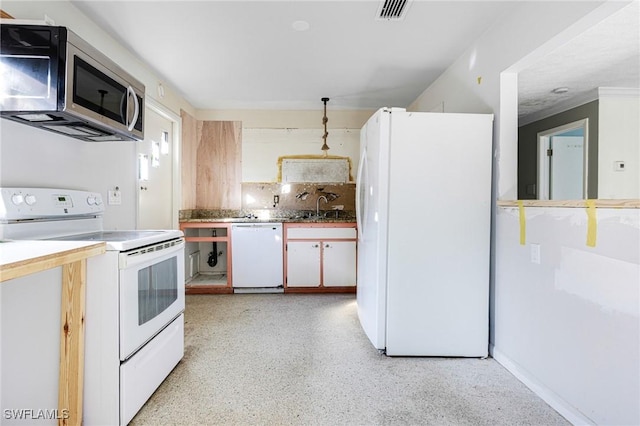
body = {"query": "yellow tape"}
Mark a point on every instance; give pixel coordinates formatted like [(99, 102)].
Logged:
[(592, 223), (523, 223)]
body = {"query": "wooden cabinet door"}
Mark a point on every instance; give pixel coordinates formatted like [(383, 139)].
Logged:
[(339, 263), (303, 264)]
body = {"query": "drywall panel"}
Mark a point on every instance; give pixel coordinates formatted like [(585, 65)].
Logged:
[(571, 322), (30, 337)]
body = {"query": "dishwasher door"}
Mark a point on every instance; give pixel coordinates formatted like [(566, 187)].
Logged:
[(256, 255)]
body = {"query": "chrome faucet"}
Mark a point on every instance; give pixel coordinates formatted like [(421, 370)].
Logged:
[(318, 204)]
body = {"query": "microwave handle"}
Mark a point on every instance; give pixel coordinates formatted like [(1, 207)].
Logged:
[(136, 104)]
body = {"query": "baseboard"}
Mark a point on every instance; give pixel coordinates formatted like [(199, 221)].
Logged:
[(251, 290), (566, 410)]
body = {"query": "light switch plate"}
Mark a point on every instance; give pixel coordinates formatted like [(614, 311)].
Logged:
[(115, 198), (535, 253), (618, 166)]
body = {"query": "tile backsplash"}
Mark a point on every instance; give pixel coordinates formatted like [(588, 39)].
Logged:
[(298, 196)]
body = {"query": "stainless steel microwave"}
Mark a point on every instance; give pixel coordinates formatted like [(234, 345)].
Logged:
[(52, 79)]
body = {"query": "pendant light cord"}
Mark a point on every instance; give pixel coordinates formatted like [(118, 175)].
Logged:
[(325, 147)]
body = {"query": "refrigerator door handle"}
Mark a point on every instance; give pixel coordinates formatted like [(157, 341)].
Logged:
[(360, 199)]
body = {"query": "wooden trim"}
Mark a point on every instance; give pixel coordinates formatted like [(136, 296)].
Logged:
[(5, 15), (320, 289), (603, 204), (31, 266), (74, 279), (184, 225), (306, 239), (209, 289), (320, 225), (206, 239), (71, 375)]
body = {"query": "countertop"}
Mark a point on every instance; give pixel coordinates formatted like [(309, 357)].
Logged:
[(265, 216), (19, 258)]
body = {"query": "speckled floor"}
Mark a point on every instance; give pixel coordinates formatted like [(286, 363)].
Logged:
[(275, 359)]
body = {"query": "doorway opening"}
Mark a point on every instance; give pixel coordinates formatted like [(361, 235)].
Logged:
[(563, 162), (158, 169)]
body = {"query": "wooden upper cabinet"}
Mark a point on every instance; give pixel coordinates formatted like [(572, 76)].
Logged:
[(211, 164)]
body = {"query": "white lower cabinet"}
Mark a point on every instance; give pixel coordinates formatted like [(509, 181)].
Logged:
[(339, 264), (320, 257), (303, 264)]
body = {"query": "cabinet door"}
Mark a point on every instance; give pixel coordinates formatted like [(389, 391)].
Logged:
[(339, 264), (303, 264)]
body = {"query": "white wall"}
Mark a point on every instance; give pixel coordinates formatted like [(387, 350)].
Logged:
[(33, 157), (290, 119), (270, 134), (529, 32), (619, 136), (570, 325), (553, 317), (261, 149), (64, 13)]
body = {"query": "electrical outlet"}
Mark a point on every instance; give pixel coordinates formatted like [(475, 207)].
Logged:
[(535, 253), (115, 198)]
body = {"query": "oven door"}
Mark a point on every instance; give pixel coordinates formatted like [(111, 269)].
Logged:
[(151, 292)]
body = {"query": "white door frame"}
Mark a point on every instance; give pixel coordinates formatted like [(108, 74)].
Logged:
[(544, 139), (175, 163)]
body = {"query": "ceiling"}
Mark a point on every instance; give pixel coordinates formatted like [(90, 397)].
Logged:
[(289, 54), (606, 55)]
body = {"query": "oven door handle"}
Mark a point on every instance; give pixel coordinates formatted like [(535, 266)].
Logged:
[(149, 254)]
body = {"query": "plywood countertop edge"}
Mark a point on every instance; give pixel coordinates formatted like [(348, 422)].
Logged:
[(40, 263), (603, 204)]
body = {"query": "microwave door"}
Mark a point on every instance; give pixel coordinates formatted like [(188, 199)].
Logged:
[(97, 92)]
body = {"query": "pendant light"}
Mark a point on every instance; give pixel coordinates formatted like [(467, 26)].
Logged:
[(325, 147)]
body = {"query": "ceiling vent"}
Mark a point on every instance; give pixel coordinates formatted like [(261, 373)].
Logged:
[(392, 10)]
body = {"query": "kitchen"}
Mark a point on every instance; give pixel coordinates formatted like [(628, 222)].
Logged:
[(59, 161)]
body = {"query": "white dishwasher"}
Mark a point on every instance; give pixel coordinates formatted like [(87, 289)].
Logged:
[(256, 256)]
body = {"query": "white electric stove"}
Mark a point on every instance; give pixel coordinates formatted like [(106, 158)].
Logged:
[(134, 322)]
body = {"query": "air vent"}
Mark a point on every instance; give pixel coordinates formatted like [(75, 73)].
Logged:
[(392, 10)]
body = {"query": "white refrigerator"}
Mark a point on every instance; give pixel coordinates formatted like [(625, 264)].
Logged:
[(423, 205)]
